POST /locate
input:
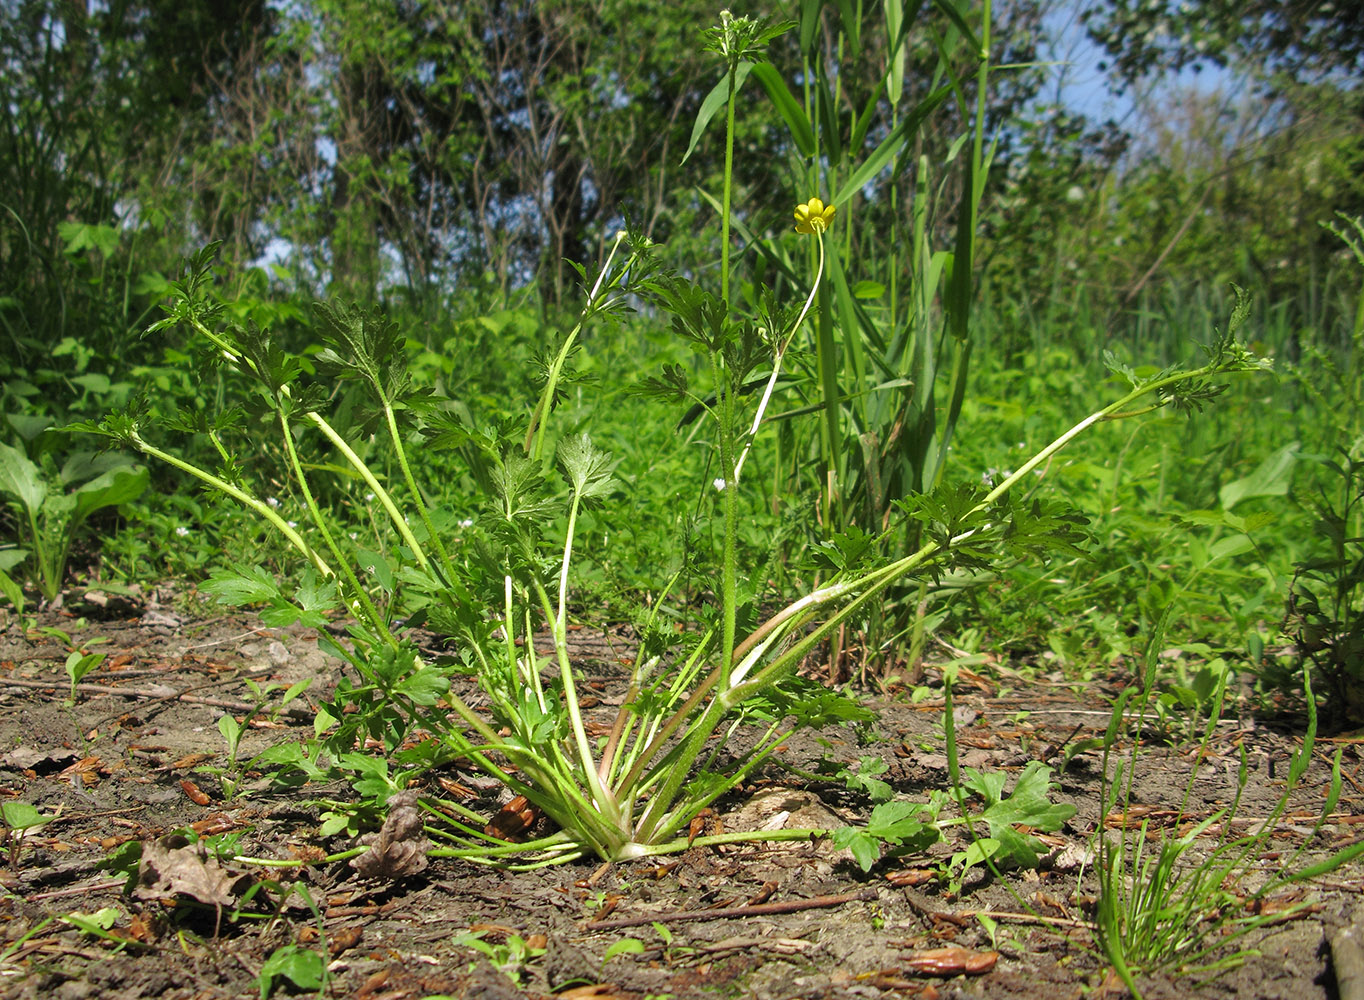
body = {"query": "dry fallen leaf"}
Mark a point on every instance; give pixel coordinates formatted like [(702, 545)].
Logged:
[(343, 939), (213, 824), (186, 762), (952, 961), (171, 866), (87, 769), (513, 819), (398, 849), (911, 876), (597, 991), (195, 794)]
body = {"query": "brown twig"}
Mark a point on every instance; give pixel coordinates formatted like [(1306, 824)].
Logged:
[(80, 890), (724, 913), (155, 695)]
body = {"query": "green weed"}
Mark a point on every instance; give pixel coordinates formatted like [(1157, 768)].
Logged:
[(54, 504)]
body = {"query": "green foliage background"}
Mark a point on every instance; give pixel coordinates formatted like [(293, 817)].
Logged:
[(448, 162)]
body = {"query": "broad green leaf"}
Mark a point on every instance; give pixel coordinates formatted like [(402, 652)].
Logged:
[(377, 566), (231, 731), (314, 595), (109, 490), (20, 479), (78, 664), (97, 924), (1232, 545), (11, 590), (892, 821), (1015, 846), (81, 466), (21, 816), (791, 111), (29, 427), (588, 469), (1271, 478), (96, 382), (79, 236), (625, 946), (425, 687), (890, 146), (864, 778), (714, 101), (866, 849), (1028, 804), (303, 967), (310, 603)]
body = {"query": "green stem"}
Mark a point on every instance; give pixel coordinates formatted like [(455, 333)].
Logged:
[(298, 862), (729, 499), (878, 579), (742, 837), (777, 356), (375, 487), (446, 566), (539, 419), (727, 191), (360, 600), (605, 801), (241, 496)]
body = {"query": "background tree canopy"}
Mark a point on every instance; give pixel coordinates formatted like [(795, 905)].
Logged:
[(403, 151)]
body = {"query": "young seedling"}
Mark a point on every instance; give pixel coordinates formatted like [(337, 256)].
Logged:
[(16, 819), (79, 663)]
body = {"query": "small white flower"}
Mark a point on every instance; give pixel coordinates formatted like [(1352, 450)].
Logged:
[(274, 504), (182, 531), (719, 484), (468, 522), (354, 535), (292, 524), (369, 497)]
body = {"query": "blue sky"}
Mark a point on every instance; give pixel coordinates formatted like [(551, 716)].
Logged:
[(1078, 83)]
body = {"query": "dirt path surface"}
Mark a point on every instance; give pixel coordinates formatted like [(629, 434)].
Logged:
[(140, 757)]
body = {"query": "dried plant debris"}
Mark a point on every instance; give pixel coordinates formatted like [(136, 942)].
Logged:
[(399, 848), (171, 867)]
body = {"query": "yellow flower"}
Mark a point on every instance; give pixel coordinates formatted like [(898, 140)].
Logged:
[(814, 217)]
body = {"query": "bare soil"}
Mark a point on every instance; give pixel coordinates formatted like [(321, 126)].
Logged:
[(125, 764)]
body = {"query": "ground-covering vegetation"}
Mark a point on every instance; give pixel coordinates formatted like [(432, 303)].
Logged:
[(816, 346)]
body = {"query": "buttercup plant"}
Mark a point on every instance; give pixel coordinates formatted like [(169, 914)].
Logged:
[(634, 792)]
